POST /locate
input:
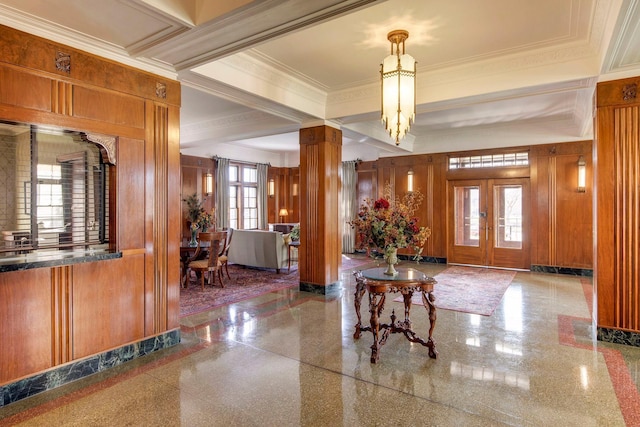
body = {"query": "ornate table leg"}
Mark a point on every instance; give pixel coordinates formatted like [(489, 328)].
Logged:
[(428, 300), (407, 308), (375, 307), (357, 299)]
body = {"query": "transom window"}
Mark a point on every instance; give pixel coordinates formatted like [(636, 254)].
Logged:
[(489, 161), (243, 196)]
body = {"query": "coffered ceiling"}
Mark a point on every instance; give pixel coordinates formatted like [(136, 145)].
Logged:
[(491, 73)]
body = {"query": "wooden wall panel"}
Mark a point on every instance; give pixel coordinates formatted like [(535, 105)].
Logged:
[(573, 225), (75, 311), (26, 323), (85, 67), (320, 234), (131, 194), (109, 106), (605, 253), (193, 170), (562, 220), (107, 313), (542, 205), (174, 209), (617, 281), (24, 89)]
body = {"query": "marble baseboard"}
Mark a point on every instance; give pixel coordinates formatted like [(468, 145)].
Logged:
[(72, 371), (330, 290), (618, 337), (584, 272)]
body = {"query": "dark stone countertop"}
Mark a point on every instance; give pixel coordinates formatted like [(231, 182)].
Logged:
[(54, 259)]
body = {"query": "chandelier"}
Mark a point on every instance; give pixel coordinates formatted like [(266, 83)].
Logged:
[(398, 77)]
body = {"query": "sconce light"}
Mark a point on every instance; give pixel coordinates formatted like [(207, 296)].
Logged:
[(295, 189), (272, 187), (582, 175), (410, 180), (208, 183), (283, 212)]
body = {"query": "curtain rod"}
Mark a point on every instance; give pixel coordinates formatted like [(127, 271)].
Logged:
[(240, 161)]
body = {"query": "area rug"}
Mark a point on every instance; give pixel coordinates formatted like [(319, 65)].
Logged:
[(469, 289), (245, 283)]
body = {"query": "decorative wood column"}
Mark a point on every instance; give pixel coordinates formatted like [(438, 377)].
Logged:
[(320, 224), (617, 154)]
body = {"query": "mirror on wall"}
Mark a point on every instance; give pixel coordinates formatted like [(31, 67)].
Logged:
[(54, 190)]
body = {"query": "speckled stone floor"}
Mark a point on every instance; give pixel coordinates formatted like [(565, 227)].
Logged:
[(289, 359)]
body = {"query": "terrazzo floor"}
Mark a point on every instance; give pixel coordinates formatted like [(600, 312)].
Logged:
[(289, 358)]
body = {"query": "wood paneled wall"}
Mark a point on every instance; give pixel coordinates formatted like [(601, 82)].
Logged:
[(50, 316), (562, 227), (287, 194), (193, 171), (617, 154)]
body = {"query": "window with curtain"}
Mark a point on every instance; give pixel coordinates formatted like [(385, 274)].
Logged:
[(243, 196)]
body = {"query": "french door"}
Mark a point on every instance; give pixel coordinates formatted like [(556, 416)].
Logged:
[(488, 222)]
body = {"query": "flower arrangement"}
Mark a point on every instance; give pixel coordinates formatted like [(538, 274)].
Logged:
[(389, 223), (196, 214), (194, 207), (295, 232), (205, 220)]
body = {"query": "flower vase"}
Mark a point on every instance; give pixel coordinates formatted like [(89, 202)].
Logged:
[(391, 258), (193, 242)]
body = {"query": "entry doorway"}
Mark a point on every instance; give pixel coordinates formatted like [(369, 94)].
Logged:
[(488, 222)]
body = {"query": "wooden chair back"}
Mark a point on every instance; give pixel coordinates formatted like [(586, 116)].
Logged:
[(212, 242)]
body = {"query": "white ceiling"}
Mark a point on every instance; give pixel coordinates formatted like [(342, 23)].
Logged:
[(491, 73)]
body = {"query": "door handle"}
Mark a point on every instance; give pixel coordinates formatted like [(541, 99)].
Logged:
[(483, 214)]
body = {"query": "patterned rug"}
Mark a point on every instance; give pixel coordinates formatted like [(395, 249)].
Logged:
[(245, 283), (469, 289)]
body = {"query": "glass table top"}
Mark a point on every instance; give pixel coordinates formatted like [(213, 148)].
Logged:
[(404, 274)]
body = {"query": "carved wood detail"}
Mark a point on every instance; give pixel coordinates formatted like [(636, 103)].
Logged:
[(629, 91), (63, 62), (107, 146)]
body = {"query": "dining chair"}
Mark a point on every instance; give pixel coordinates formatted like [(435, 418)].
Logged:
[(209, 266), (224, 254)]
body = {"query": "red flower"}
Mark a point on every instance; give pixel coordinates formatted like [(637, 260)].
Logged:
[(381, 204)]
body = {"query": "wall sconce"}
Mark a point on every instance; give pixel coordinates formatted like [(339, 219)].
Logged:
[(208, 183), (582, 175), (272, 188), (283, 212), (295, 189), (410, 180)]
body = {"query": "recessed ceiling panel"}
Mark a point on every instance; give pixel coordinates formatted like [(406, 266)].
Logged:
[(348, 50), (114, 22)]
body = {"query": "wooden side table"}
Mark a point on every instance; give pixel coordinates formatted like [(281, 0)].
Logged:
[(292, 244), (406, 282)]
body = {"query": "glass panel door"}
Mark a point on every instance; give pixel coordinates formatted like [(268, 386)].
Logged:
[(488, 223), (509, 247), (467, 215), (467, 210), (508, 217)]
